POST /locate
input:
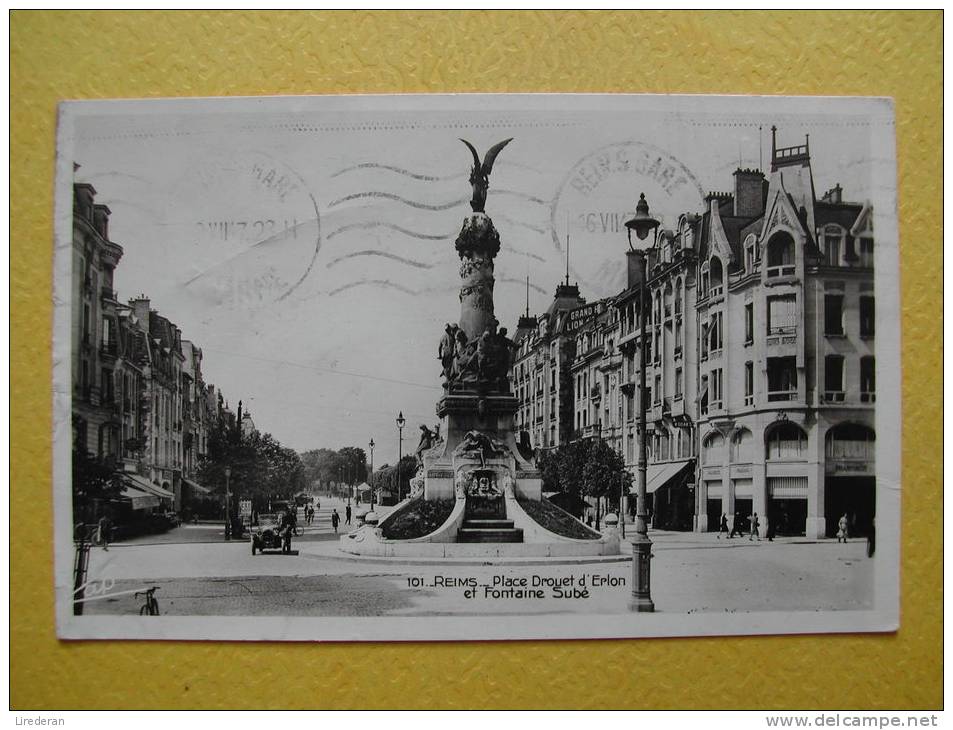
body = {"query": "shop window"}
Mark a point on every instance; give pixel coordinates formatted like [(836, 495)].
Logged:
[(786, 441), (851, 441), (742, 447), (713, 448)]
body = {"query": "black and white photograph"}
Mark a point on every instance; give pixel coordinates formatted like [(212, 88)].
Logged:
[(460, 367)]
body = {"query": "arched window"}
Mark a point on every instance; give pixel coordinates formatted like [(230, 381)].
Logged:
[(781, 255), (704, 276), (851, 441), (742, 447), (716, 285), (712, 448), (664, 453), (678, 297), (785, 442)]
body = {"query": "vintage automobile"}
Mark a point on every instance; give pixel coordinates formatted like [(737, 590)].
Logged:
[(270, 536)]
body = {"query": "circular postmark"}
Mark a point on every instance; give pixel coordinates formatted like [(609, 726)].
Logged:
[(598, 196), (254, 226)]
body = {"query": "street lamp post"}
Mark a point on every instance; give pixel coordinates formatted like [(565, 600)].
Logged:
[(400, 447), (641, 601), (228, 504), (370, 476)]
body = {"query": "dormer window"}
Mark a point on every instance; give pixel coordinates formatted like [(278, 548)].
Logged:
[(833, 246)]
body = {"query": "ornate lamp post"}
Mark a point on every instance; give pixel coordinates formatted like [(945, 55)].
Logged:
[(370, 474), (400, 447), (642, 224)]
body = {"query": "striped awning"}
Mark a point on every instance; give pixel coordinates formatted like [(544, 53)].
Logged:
[(197, 488), (144, 485), (139, 498), (660, 475)]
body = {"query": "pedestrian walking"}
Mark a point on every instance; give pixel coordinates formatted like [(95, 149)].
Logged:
[(347, 515), (723, 528), (104, 529), (736, 528), (842, 528), (335, 520), (755, 524), (872, 539), (770, 530)]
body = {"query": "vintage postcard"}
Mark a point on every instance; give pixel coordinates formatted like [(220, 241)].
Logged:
[(476, 367)]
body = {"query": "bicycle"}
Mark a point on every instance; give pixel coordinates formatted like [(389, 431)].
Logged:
[(151, 606)]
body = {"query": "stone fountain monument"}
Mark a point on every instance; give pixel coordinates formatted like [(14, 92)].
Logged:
[(477, 462)]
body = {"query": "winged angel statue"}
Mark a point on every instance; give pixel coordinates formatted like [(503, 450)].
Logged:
[(480, 174)]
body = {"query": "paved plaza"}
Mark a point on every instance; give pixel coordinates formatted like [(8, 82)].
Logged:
[(691, 573)]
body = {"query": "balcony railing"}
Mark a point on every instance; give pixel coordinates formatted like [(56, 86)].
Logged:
[(776, 271), (834, 396), (108, 349), (778, 395), (868, 396)]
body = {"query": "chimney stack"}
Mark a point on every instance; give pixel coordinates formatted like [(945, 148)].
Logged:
[(749, 193)]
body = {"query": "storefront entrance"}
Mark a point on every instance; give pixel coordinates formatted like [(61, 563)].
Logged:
[(853, 496), (787, 516), (714, 514)]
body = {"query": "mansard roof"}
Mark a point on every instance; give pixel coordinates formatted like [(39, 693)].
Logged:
[(843, 214)]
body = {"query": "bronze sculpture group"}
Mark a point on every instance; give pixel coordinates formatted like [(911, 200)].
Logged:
[(485, 361)]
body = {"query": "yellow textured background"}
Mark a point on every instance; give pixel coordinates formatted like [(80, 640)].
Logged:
[(58, 55)]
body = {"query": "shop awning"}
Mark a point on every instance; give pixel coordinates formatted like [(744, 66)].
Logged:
[(144, 485), (139, 498), (197, 488), (659, 475)]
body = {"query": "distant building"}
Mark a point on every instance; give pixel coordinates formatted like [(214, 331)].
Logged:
[(540, 375)]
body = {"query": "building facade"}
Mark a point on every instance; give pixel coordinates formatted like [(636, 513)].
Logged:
[(786, 354), (139, 400), (97, 416), (759, 346)]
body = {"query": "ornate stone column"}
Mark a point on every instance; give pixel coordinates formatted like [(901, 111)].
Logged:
[(477, 245)]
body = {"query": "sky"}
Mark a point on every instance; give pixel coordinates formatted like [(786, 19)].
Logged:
[(306, 244)]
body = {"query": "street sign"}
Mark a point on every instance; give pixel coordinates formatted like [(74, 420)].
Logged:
[(244, 507)]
